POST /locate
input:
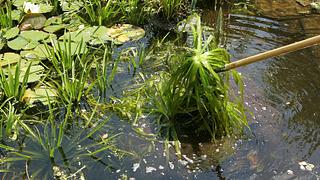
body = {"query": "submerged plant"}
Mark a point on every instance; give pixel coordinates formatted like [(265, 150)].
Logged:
[(49, 148)]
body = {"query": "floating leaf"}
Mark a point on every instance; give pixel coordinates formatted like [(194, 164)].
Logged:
[(42, 94), (9, 58), (31, 45), (16, 15), (45, 8), (70, 5), (2, 44), (12, 33), (33, 21), (100, 36), (35, 71), (53, 28), (41, 51), (74, 47), (53, 21), (18, 43), (125, 32), (18, 3), (80, 35), (34, 35), (51, 38)]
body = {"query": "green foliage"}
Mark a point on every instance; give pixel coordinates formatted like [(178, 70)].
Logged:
[(193, 94), (5, 15), (48, 144), (170, 7), (72, 66), (100, 13), (10, 83)]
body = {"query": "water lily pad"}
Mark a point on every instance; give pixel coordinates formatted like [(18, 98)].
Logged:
[(34, 35), (70, 5), (31, 45), (12, 33), (125, 32), (9, 58), (101, 36), (33, 21), (35, 72), (18, 43), (53, 28), (74, 47), (41, 51), (42, 94), (80, 35), (53, 21), (51, 38), (2, 44), (16, 15)]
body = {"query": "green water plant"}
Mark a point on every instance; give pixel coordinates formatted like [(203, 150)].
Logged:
[(10, 83), (193, 94), (48, 148), (170, 7), (72, 64), (6, 20), (100, 13)]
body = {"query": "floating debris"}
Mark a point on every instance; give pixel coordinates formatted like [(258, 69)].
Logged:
[(290, 172), (171, 165), (135, 167), (306, 166), (150, 169)]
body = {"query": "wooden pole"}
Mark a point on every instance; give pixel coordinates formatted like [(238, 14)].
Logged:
[(272, 53)]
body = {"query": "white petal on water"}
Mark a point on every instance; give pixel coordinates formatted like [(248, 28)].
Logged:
[(135, 166), (183, 162), (30, 7), (171, 165), (161, 167), (150, 169), (188, 159), (290, 172)]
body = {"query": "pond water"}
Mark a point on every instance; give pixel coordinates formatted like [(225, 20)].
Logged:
[(282, 95)]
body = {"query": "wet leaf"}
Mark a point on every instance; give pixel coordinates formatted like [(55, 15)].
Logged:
[(34, 35), (53, 28), (124, 33), (75, 47), (39, 94), (80, 35), (16, 15), (53, 21), (31, 45), (9, 58), (70, 5), (18, 43), (33, 21), (12, 33)]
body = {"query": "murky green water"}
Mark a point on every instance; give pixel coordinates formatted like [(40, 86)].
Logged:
[(283, 95)]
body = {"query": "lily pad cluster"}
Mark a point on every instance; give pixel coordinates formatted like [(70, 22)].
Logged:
[(36, 34)]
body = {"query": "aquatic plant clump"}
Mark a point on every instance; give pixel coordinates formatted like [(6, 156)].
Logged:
[(193, 95)]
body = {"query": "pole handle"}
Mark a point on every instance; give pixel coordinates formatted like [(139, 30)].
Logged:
[(272, 53)]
